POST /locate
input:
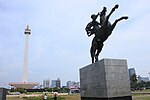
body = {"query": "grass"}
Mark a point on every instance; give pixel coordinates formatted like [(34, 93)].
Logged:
[(142, 98), (76, 97), (64, 97), (40, 98), (72, 97), (34, 98), (138, 96)]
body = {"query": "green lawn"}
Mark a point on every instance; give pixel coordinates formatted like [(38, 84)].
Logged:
[(142, 98), (65, 97), (77, 97)]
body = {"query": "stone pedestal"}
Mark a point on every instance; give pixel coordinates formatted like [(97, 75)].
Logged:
[(2, 94), (106, 79)]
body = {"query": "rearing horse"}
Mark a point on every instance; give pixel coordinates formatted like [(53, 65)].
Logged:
[(101, 30)]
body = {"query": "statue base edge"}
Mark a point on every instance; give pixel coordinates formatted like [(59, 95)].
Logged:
[(110, 98)]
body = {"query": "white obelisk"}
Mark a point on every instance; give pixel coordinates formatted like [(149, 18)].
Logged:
[(25, 65)]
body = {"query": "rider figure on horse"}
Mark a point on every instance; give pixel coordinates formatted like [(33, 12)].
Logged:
[(92, 26)]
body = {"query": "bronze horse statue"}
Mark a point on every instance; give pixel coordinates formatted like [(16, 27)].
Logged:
[(101, 30)]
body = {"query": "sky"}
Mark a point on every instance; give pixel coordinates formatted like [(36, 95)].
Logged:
[(58, 44)]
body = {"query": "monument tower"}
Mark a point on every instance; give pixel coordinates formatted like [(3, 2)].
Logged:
[(25, 84), (25, 65)]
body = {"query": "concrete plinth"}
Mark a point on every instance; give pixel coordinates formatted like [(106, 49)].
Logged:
[(2, 94), (106, 79)]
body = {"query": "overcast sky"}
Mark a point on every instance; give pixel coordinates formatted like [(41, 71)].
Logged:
[(59, 46)]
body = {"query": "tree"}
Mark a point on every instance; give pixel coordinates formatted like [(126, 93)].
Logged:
[(133, 81)]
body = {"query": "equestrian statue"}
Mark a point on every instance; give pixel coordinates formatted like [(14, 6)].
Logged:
[(102, 30)]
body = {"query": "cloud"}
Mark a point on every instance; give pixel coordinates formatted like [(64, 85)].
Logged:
[(3, 73)]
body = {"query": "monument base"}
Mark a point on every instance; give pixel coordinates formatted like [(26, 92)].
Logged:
[(114, 98), (24, 85), (106, 79)]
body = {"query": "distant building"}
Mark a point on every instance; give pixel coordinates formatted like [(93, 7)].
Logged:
[(64, 87), (131, 72), (78, 84), (72, 84), (56, 83), (53, 83), (46, 83), (69, 84), (144, 79)]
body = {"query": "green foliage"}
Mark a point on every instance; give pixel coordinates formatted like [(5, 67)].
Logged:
[(59, 90), (64, 90), (133, 78), (138, 85), (133, 81), (21, 90), (48, 89)]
